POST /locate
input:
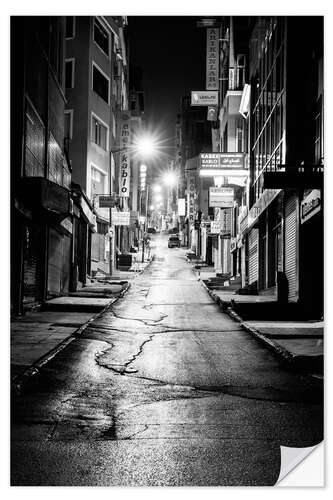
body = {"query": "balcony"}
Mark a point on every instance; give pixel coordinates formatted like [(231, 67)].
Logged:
[(294, 176)]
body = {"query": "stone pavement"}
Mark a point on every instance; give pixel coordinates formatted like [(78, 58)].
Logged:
[(39, 335), (299, 343)]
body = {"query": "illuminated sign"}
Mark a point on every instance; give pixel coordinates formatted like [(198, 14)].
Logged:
[(222, 197), (225, 164), (121, 218), (125, 167), (181, 206), (204, 98), (212, 61)]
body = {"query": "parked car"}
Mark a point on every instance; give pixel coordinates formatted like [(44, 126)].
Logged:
[(151, 230), (174, 241)]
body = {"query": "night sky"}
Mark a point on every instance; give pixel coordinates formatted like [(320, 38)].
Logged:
[(171, 51)]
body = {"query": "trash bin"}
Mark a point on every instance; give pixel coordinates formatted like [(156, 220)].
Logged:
[(124, 261)]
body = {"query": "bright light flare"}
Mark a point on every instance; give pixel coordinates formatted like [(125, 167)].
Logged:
[(170, 178), (157, 188), (146, 146)]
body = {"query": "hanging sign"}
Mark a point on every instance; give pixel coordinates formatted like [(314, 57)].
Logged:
[(204, 98), (121, 218), (212, 62), (222, 197), (181, 207), (125, 166), (212, 113), (225, 164)]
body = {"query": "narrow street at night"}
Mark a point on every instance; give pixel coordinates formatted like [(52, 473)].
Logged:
[(162, 389), (166, 249)]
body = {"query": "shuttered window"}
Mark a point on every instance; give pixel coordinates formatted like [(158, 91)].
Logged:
[(291, 248), (253, 255)]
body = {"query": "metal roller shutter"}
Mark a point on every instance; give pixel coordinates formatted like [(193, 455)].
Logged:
[(31, 270), (54, 263), (291, 248), (253, 255)]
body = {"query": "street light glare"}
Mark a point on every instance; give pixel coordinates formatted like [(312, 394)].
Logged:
[(170, 178), (146, 146), (157, 188)]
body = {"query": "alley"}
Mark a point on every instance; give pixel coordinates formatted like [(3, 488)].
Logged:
[(162, 389)]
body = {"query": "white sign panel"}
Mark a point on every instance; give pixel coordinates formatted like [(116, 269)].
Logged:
[(212, 62), (121, 218), (125, 166), (204, 98), (181, 206), (310, 205), (222, 197)]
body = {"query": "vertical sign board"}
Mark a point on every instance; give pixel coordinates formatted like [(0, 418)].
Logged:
[(191, 190), (181, 206), (212, 62), (125, 166)]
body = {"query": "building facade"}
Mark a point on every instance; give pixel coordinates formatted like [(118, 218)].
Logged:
[(41, 210), (97, 93)]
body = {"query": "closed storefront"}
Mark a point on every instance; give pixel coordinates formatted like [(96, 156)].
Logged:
[(290, 247), (32, 265), (253, 241), (59, 259)]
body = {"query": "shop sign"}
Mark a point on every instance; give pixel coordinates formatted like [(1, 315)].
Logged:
[(67, 224), (107, 201), (233, 244), (223, 164), (204, 98), (212, 113), (181, 206), (260, 205), (125, 167), (225, 217), (215, 227), (212, 61), (222, 197), (191, 192), (311, 205), (142, 219), (121, 218)]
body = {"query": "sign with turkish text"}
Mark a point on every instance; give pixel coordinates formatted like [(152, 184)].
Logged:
[(125, 161), (223, 164), (204, 98), (222, 197), (226, 218), (212, 62)]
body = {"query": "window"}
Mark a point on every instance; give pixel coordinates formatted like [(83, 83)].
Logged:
[(34, 142), (99, 133), (101, 37), (69, 124), (69, 73), (100, 84), (98, 181), (70, 27)]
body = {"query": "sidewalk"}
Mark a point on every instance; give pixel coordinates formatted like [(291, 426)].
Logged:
[(37, 336), (299, 343)]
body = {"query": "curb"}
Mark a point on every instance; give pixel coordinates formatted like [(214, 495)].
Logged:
[(295, 360), (19, 382)]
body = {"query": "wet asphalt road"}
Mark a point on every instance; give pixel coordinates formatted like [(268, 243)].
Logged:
[(163, 389)]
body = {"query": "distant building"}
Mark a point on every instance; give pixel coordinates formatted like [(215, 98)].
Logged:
[(41, 211), (96, 93)]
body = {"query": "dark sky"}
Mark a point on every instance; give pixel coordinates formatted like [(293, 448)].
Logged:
[(171, 52)]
